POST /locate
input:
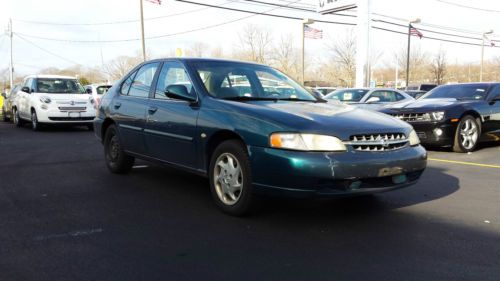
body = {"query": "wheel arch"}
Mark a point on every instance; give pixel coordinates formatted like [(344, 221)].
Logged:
[(216, 139), (474, 114), (105, 125)]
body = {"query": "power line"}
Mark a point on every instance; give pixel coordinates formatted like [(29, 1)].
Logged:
[(468, 7), (47, 51), (119, 21)]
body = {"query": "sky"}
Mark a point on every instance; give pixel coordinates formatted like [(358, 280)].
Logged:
[(81, 20)]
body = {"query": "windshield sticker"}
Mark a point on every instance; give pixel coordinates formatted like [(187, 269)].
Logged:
[(347, 96), (479, 90)]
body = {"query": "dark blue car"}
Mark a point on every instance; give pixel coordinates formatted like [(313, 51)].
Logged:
[(229, 121)]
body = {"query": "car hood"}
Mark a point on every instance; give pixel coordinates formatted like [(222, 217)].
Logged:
[(326, 118), (426, 104)]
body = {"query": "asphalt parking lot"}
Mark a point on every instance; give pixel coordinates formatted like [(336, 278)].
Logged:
[(63, 216)]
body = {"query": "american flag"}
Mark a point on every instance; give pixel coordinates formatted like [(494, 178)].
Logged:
[(155, 1), (312, 33), (415, 32)]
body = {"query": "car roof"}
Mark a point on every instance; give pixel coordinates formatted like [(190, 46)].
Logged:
[(188, 59), (50, 76)]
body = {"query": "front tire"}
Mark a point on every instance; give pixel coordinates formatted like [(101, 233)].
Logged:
[(4, 115), (16, 119), (467, 134), (116, 160), (230, 178), (35, 125)]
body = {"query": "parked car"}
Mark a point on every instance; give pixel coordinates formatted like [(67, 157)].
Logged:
[(458, 115), (325, 90), (97, 90), (53, 99), (422, 87), (8, 101), (185, 112), (369, 98), (415, 93)]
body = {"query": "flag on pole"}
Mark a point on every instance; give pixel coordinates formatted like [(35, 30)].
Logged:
[(155, 1), (488, 40), (415, 32), (312, 33)]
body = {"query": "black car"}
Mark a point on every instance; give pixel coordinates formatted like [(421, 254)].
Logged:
[(458, 115)]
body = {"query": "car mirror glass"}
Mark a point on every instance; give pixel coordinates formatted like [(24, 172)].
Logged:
[(26, 90), (178, 92), (373, 100)]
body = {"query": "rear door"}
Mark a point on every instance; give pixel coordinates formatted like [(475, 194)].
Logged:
[(129, 108), (171, 123)]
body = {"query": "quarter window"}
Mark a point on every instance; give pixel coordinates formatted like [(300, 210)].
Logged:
[(142, 82), (387, 96), (126, 85)]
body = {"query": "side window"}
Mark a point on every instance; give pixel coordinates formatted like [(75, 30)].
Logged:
[(384, 96), (399, 96), (28, 83), (172, 73), (143, 80)]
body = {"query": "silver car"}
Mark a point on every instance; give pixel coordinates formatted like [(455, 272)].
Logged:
[(369, 98)]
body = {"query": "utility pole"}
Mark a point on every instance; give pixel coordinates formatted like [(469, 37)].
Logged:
[(302, 26), (363, 44), (142, 34), (417, 20), (397, 72), (482, 54), (11, 64)]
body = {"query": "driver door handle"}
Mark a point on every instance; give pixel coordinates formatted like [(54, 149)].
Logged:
[(152, 109), (117, 105)]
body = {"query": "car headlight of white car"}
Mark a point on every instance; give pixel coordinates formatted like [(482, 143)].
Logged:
[(45, 99), (413, 138), (306, 142)]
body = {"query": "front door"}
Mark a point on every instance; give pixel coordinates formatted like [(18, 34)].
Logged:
[(171, 123), (492, 120)]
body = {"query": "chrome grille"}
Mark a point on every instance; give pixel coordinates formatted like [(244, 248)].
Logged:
[(377, 142), (72, 108), (412, 117)]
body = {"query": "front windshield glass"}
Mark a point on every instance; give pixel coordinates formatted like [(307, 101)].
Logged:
[(459, 92), (230, 80), (59, 86), (347, 95)]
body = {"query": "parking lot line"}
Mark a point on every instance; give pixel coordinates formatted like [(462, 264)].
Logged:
[(465, 163)]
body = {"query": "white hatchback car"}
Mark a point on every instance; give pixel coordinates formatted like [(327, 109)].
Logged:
[(53, 99), (97, 91)]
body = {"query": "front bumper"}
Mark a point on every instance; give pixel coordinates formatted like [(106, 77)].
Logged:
[(66, 117), (327, 174), (435, 133)]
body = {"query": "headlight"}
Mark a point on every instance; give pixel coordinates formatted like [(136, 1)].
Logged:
[(413, 138), (306, 142), (437, 116), (45, 99)]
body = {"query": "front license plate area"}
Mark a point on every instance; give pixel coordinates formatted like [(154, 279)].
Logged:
[(390, 171), (73, 114)]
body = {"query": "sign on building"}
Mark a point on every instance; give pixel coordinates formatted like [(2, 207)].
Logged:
[(332, 6)]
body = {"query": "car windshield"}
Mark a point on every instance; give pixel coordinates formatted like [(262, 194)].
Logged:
[(101, 90), (347, 95), (240, 81), (59, 86), (459, 92)]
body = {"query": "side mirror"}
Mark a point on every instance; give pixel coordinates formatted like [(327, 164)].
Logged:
[(89, 91), (26, 90), (373, 100), (179, 92), (4, 95)]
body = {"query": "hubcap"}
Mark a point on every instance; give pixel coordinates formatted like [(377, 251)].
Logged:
[(34, 121), (469, 134), (228, 179), (16, 117)]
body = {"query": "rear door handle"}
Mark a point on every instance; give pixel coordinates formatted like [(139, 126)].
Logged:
[(152, 109), (117, 105)]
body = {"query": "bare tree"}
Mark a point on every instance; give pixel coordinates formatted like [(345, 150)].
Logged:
[(418, 63), (255, 44), (438, 66), (198, 49), (217, 52), (285, 57), (120, 66), (343, 52)]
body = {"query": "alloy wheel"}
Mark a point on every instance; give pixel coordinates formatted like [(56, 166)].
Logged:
[(228, 178), (469, 134)]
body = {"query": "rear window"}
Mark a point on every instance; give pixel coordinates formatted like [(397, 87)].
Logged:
[(59, 86)]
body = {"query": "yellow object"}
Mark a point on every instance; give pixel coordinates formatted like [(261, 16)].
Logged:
[(465, 163)]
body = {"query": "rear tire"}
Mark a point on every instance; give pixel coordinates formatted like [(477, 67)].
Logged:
[(4, 116), (230, 179), (467, 134), (116, 160)]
